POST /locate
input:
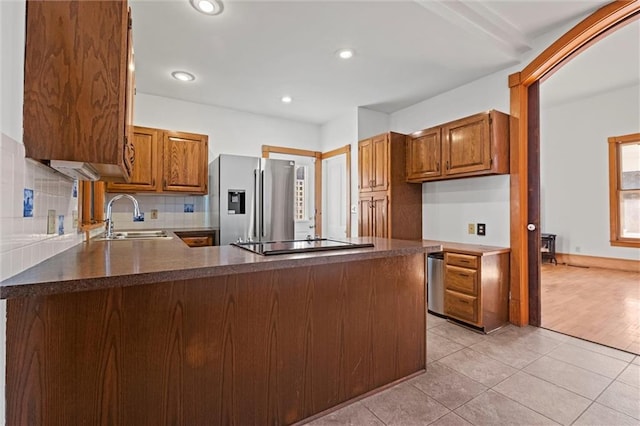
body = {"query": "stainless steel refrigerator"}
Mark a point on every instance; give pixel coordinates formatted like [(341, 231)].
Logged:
[(252, 199)]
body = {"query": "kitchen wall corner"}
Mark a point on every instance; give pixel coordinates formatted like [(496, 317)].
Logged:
[(24, 241)]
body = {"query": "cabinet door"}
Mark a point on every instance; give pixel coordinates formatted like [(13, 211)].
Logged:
[(424, 151), (462, 280), (365, 161), (365, 217), (75, 72), (380, 163), (129, 144), (185, 162), (380, 210), (461, 306), (145, 168), (467, 145)]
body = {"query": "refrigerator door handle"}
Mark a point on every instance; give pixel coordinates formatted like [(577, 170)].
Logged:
[(262, 203), (254, 225)]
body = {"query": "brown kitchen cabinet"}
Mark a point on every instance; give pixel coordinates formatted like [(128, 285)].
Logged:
[(144, 174), (79, 85), (167, 162), (477, 288), (185, 162), (389, 207), (374, 213), (373, 159), (472, 146), (199, 238)]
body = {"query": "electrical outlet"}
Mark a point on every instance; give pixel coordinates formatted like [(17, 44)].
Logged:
[(154, 214), (482, 229), (472, 228), (51, 222)]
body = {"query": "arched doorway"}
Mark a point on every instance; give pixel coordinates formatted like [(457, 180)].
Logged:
[(525, 182)]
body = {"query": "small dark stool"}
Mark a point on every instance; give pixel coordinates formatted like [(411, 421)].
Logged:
[(548, 247)]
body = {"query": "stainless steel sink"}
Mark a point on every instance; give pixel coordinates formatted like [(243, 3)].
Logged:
[(137, 235)]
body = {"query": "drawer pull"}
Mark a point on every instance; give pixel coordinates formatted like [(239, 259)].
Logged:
[(463, 275), (464, 261), (466, 302)]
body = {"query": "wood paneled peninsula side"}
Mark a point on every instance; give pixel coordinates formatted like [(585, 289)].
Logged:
[(156, 332)]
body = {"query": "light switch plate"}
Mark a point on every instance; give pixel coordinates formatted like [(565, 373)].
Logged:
[(482, 229), (471, 229), (154, 213), (51, 221)]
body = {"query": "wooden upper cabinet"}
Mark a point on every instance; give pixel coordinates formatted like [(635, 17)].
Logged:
[(185, 162), (373, 160), (78, 85), (389, 206), (167, 162), (380, 163), (472, 146), (144, 175), (467, 146), (424, 153)]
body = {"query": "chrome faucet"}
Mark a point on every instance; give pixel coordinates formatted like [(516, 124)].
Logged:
[(109, 221)]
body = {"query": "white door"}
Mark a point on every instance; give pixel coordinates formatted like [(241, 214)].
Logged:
[(304, 199), (334, 197)]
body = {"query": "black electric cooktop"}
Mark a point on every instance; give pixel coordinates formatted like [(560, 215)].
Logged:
[(268, 248)]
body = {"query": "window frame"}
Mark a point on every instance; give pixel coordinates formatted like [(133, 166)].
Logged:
[(615, 143)]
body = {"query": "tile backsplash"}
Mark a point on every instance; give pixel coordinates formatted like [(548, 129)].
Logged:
[(160, 211), (24, 241)]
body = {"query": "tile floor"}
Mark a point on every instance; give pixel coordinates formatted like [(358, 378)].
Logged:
[(516, 376)]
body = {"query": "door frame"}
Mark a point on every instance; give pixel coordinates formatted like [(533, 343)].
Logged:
[(523, 298), (319, 156), (347, 151)]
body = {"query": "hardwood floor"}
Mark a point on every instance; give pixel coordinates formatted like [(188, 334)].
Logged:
[(600, 305)]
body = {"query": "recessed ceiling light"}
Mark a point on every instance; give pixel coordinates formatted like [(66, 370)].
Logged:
[(183, 76), (208, 7), (287, 99), (345, 53)]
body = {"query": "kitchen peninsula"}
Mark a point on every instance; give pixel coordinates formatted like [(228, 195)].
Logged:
[(155, 332)]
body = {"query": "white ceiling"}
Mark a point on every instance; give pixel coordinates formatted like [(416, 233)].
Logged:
[(611, 63), (255, 52)]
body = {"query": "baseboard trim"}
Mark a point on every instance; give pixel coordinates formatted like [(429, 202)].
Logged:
[(598, 262)]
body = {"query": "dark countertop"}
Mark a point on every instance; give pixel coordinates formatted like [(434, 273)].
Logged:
[(104, 264), (473, 249)]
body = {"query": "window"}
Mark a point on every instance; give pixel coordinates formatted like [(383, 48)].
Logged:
[(301, 193), (624, 190)]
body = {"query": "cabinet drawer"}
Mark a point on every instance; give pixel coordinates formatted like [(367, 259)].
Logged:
[(461, 306), (464, 260), (461, 279), (198, 241)]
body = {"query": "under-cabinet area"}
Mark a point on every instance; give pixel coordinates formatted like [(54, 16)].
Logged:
[(472, 146)]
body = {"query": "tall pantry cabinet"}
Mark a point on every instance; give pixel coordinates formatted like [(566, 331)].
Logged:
[(389, 207)]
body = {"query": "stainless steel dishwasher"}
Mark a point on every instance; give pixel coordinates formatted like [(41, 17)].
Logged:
[(435, 283)]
